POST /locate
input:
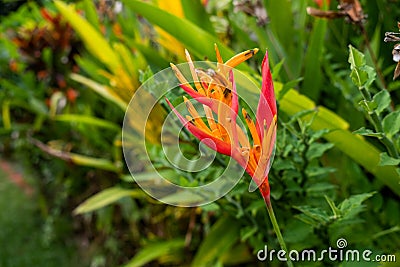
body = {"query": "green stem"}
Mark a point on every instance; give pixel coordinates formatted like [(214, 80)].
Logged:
[(376, 121), (277, 230)]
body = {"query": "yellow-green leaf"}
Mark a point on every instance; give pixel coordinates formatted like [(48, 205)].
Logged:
[(105, 198)]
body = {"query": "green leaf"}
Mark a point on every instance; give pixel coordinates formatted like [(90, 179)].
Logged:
[(75, 118), (356, 58), (316, 214), (355, 147), (391, 123), (316, 150), (183, 198), (91, 14), (156, 250), (367, 132), (361, 74), (386, 160), (184, 31), (350, 207), (287, 86), (105, 198), (102, 90), (313, 72), (319, 187), (382, 100), (223, 234), (196, 13)]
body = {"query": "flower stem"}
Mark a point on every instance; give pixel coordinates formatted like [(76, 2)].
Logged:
[(277, 230)]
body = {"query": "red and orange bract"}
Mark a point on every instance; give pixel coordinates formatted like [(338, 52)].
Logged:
[(216, 90)]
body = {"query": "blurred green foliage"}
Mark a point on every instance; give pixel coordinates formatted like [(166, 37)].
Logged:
[(335, 173)]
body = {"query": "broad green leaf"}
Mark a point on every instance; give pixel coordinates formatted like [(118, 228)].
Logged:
[(105, 198), (184, 31), (287, 86), (382, 100), (94, 41), (196, 13), (312, 171), (361, 74), (313, 70), (386, 160), (391, 123), (353, 205), (156, 250), (223, 234), (317, 188), (356, 58), (316, 150)]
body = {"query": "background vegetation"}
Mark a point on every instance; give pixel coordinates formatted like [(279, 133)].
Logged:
[(69, 71)]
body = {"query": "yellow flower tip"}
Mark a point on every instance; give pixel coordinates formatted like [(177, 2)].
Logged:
[(218, 54), (275, 119), (255, 51), (239, 58), (187, 55), (185, 99), (174, 68)]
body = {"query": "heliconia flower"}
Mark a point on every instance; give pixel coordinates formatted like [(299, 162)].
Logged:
[(216, 90)]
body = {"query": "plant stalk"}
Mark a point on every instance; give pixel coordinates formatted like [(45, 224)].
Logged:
[(277, 230), (377, 122)]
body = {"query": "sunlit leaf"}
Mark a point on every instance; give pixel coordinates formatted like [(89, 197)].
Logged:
[(154, 251), (386, 160), (106, 197)]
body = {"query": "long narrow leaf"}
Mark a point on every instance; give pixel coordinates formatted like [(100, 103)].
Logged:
[(87, 120), (195, 39), (105, 198), (156, 250), (101, 90), (93, 40)]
